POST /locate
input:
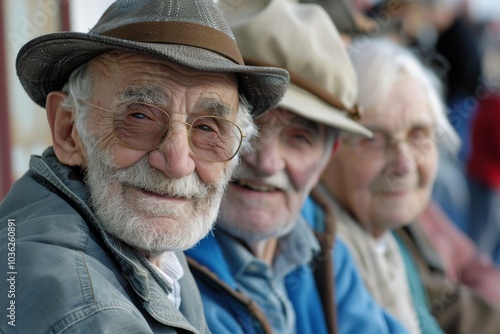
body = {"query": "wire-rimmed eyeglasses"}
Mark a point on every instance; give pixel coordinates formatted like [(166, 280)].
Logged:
[(145, 127), (419, 139)]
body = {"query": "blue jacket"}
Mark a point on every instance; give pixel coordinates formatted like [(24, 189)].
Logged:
[(69, 276), (229, 311)]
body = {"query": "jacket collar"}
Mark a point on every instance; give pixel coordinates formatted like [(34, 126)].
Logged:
[(227, 258)]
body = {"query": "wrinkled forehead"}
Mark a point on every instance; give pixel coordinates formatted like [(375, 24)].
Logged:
[(125, 76), (280, 118)]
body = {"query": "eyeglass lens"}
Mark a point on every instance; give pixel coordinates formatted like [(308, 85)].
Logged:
[(144, 127)]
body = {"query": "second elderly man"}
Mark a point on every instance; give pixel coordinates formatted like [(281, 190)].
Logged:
[(265, 271)]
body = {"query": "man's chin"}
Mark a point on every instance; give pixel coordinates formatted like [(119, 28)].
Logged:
[(159, 222), (156, 235), (153, 253)]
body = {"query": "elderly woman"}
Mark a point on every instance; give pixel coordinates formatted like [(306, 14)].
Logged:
[(382, 184)]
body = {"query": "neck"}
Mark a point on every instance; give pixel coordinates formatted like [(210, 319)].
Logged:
[(265, 249), (376, 233), (152, 257), (328, 180)]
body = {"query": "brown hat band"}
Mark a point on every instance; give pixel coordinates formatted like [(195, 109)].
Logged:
[(183, 33), (355, 112)]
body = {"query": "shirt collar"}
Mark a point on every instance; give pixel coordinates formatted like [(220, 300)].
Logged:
[(294, 250), (171, 269)]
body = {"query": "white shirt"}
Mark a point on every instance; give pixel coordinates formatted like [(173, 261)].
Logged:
[(169, 266)]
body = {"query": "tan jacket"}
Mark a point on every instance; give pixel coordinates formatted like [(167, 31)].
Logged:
[(382, 268)]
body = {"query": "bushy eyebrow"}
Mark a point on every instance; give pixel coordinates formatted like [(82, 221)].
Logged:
[(217, 107), (311, 125), (285, 117), (157, 97), (416, 125), (146, 94)]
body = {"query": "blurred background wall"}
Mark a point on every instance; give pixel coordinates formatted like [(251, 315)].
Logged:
[(23, 126)]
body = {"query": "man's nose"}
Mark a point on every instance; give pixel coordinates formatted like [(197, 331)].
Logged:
[(174, 157), (267, 158), (402, 158)]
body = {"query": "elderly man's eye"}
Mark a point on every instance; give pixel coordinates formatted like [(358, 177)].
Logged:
[(205, 128), (419, 134), (140, 111), (206, 124), (300, 136), (377, 141), (138, 115)]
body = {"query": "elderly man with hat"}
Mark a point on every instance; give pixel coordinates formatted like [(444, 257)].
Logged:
[(147, 112), (263, 270)]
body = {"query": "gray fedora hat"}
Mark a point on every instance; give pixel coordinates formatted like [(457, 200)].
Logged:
[(190, 33)]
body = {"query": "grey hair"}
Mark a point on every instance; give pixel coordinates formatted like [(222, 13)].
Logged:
[(245, 121), (331, 136), (381, 63), (79, 88)]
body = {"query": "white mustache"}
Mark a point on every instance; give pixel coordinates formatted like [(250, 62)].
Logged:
[(142, 176), (280, 180)]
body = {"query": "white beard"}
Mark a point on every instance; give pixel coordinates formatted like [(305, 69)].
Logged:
[(159, 225)]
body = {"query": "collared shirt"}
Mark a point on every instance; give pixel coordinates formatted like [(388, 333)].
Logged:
[(265, 284), (169, 266)]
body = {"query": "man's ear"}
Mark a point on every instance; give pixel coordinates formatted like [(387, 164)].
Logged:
[(65, 139)]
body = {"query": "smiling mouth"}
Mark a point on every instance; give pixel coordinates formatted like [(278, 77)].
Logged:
[(396, 193), (256, 187), (163, 196)]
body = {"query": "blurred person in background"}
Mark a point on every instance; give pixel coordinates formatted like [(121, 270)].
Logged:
[(436, 24), (483, 170), (382, 183), (349, 21), (465, 189), (439, 28), (439, 33)]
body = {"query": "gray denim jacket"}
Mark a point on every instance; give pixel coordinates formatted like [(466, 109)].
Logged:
[(61, 273)]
